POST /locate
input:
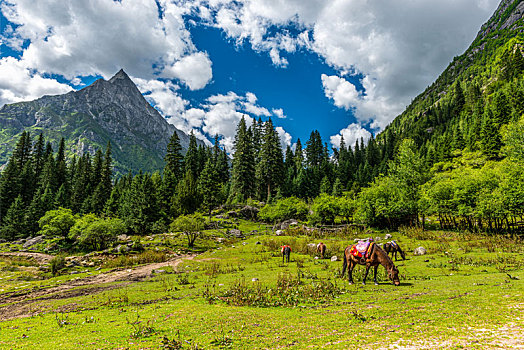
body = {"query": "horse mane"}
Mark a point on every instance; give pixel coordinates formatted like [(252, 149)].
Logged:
[(388, 262)]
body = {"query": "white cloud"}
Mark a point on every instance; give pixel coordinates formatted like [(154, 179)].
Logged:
[(279, 113), (18, 83), (98, 37), (194, 70), (285, 138), (398, 46), (351, 134)]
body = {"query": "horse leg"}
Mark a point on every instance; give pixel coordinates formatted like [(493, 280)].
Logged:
[(350, 272), (375, 276), (395, 255), (366, 274)]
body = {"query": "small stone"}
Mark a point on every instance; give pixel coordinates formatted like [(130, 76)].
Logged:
[(316, 257), (378, 239), (279, 232), (334, 258), (159, 271), (257, 242), (388, 236), (254, 279), (420, 251), (220, 284)]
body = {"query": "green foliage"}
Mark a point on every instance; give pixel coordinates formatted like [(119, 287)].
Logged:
[(93, 233), (190, 225), (284, 209), (57, 223), (56, 264), (324, 209)]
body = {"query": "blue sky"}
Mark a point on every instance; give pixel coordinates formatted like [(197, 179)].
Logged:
[(343, 67)]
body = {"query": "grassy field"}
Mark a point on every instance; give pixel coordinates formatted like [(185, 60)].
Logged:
[(230, 293)]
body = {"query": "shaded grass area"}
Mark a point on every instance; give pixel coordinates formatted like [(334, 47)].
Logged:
[(460, 294)]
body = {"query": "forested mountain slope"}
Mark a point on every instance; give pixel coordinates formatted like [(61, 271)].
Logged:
[(477, 94)]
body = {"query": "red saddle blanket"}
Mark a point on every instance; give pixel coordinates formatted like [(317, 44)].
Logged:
[(361, 249), (283, 247)]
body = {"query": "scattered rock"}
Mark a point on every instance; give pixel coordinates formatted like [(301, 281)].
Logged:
[(33, 241), (123, 238), (254, 279), (420, 251), (254, 232), (258, 242), (221, 240), (232, 214), (159, 271), (388, 236), (378, 239), (220, 216), (279, 232), (74, 272), (98, 268), (236, 233), (334, 258), (316, 257)]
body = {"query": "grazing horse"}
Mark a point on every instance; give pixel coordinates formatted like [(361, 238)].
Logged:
[(393, 247), (374, 257), (321, 248), (286, 252)]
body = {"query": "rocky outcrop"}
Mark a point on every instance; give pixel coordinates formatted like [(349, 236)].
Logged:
[(506, 15)]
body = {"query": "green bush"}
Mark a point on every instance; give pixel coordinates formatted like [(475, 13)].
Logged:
[(284, 209), (93, 233), (57, 264), (324, 209), (57, 223)]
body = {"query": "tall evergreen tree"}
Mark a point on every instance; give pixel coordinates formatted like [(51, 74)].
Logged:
[(191, 160), (243, 171), (270, 168)]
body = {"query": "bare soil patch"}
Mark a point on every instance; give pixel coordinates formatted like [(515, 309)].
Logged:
[(23, 303)]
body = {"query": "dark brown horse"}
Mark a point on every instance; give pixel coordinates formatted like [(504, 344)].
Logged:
[(321, 248), (393, 247), (286, 252), (375, 257)]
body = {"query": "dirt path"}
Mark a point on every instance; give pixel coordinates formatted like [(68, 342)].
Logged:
[(20, 303)]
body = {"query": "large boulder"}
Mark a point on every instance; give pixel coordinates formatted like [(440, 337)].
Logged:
[(33, 241), (249, 212), (420, 251), (284, 225)]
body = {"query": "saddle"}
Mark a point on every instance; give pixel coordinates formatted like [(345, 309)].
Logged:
[(394, 244), (362, 249), (284, 247)]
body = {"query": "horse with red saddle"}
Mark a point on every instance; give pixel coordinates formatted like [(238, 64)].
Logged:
[(369, 254)]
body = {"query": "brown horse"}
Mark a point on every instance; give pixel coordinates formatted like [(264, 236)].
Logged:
[(321, 248), (375, 257), (393, 247), (286, 252)]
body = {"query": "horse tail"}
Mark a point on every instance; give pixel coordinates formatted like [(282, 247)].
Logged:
[(344, 263)]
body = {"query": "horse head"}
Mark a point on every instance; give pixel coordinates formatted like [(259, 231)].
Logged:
[(393, 275)]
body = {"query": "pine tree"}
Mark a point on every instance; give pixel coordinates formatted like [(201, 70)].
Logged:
[(22, 152), (38, 157), (243, 171), (209, 186), (490, 137), (60, 165), (174, 159), (186, 199), (314, 149), (325, 185), (13, 226), (191, 160), (501, 109), (299, 156), (337, 187), (270, 168)]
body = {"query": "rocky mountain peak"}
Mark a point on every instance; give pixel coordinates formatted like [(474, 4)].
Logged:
[(506, 15)]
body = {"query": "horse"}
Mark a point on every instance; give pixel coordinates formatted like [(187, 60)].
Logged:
[(375, 256), (393, 247), (286, 252), (321, 248)]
